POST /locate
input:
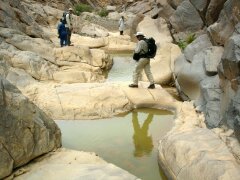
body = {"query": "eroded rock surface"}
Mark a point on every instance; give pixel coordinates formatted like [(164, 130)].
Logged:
[(72, 164), (26, 132)]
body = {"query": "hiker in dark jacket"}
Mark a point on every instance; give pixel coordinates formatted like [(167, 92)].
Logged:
[(62, 33)]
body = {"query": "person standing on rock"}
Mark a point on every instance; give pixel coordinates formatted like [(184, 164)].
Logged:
[(69, 25), (121, 25), (62, 33), (142, 62)]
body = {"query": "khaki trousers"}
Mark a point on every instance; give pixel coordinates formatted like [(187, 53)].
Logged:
[(143, 63)]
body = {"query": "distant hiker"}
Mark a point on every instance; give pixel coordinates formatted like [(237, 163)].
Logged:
[(121, 25), (142, 62), (62, 33), (68, 24)]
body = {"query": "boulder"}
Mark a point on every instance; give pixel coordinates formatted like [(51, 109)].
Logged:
[(140, 7), (25, 130), (165, 9), (70, 164), (213, 11), (91, 42), (186, 18), (212, 59), (19, 77), (190, 146), (200, 5), (94, 30), (13, 16), (191, 75), (156, 28), (116, 43), (229, 76), (79, 100), (33, 64), (221, 30), (200, 43), (174, 3), (114, 15), (209, 101), (230, 59), (202, 149), (111, 8)]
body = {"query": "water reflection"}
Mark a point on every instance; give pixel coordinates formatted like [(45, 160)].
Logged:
[(129, 141), (142, 141)]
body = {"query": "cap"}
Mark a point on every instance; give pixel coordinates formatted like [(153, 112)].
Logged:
[(70, 9), (139, 34)]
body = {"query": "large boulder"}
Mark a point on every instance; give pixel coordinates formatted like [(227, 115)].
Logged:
[(156, 28), (94, 30), (212, 59), (174, 3), (229, 76), (70, 164), (209, 101), (221, 30), (186, 18), (200, 5), (190, 69), (39, 59), (199, 44), (79, 100), (213, 11), (140, 7), (25, 130), (14, 16), (165, 9), (190, 146)]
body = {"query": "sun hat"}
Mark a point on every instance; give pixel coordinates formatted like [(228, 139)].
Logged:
[(70, 9), (139, 34)]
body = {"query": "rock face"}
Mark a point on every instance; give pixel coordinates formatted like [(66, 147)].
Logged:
[(156, 28), (213, 82), (69, 164), (189, 147), (25, 131), (79, 101), (230, 82), (186, 18), (223, 28), (213, 11)]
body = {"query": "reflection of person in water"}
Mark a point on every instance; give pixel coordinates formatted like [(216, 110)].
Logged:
[(143, 143)]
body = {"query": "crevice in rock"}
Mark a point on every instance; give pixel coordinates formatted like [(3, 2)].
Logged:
[(203, 13), (3, 145)]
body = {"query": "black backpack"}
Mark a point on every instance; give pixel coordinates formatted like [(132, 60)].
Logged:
[(64, 21), (152, 48)]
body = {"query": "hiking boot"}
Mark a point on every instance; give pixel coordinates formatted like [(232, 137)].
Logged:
[(151, 86), (133, 85)]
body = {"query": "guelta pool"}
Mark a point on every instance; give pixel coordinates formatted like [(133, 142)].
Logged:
[(129, 141)]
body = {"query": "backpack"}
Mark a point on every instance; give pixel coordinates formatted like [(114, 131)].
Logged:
[(64, 21), (152, 48)]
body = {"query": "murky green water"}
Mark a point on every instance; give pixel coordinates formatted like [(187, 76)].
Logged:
[(122, 68), (129, 141)]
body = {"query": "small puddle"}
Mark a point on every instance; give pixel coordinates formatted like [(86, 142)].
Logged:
[(129, 141)]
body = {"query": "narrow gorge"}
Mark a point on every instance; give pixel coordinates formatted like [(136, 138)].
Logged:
[(62, 109)]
